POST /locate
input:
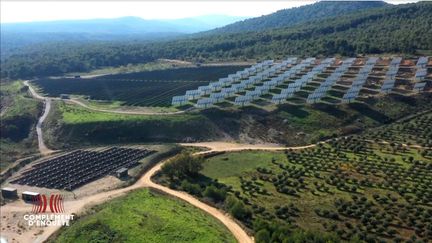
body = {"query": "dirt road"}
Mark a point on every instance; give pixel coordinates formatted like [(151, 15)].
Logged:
[(78, 205), (43, 149), (229, 147)]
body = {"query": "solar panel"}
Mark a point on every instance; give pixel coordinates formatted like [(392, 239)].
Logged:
[(205, 102), (422, 62), (179, 100), (242, 100), (419, 87)]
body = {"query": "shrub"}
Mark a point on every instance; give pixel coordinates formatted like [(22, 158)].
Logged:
[(214, 193)]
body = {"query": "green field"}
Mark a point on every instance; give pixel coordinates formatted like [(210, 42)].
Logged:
[(145, 216), (351, 187)]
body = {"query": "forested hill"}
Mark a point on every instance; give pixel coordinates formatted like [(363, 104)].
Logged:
[(405, 29), (292, 16)]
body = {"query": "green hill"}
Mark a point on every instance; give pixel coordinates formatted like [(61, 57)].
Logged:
[(293, 16), (73, 126), (402, 29)]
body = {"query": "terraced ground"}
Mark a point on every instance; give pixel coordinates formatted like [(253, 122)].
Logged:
[(145, 216), (150, 88)]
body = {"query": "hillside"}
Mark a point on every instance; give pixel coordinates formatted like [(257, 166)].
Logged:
[(19, 114), (72, 126), (393, 29), (145, 216), (293, 16)]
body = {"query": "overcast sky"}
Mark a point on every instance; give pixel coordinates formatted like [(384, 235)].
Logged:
[(27, 11)]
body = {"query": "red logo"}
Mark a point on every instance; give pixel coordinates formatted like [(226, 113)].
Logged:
[(55, 204)]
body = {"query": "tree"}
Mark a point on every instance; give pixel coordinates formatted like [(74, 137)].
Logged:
[(183, 165), (237, 208), (262, 236), (215, 193)]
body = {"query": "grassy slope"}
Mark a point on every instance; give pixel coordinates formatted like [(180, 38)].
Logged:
[(145, 216), (72, 125), (295, 125), (19, 116), (292, 125)]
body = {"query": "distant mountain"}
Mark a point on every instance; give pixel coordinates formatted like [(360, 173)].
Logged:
[(124, 25), (401, 29), (15, 36), (293, 16)]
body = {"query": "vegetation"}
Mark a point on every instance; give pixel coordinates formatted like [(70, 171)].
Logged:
[(293, 16), (150, 88), (70, 126), (416, 130), (145, 216), (19, 114), (183, 165), (350, 188), (391, 29)]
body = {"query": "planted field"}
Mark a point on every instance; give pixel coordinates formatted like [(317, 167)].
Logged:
[(353, 188), (151, 88), (417, 130), (144, 216)]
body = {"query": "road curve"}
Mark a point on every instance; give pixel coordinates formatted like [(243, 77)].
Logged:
[(77, 102), (43, 149), (78, 205), (232, 226)]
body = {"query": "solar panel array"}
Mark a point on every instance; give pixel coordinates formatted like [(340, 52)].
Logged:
[(328, 83), (273, 76), (359, 81), (390, 79), (281, 81), (420, 74), (219, 86), (303, 81)]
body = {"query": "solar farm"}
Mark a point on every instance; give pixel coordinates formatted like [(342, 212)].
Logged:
[(148, 88), (80, 167), (312, 80)]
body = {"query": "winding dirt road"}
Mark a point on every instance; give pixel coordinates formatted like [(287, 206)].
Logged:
[(77, 206), (43, 149), (230, 147)]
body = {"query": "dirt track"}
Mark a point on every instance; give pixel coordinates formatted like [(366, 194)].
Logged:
[(228, 146), (43, 149), (78, 206)]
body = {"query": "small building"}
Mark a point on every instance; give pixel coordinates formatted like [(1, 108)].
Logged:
[(9, 193), (64, 96), (122, 173), (29, 196)]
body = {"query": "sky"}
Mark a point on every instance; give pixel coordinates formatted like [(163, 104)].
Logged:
[(28, 11)]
